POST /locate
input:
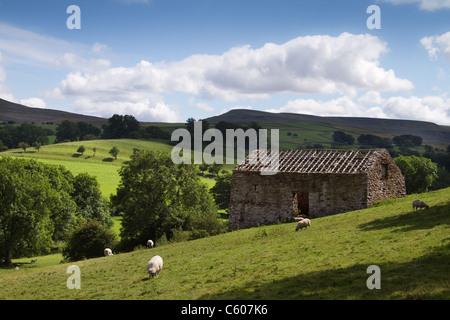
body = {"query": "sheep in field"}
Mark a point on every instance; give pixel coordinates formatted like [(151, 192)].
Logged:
[(303, 223), (150, 244), (154, 266), (108, 252), (419, 204)]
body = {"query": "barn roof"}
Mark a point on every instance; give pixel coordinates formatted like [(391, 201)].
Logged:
[(313, 160)]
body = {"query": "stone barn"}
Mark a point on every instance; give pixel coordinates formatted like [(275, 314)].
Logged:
[(313, 183)]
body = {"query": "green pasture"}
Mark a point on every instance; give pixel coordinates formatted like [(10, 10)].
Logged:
[(327, 261)]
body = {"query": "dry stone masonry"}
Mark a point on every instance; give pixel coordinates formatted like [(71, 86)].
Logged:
[(313, 183)]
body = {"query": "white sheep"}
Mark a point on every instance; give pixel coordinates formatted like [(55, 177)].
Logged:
[(303, 223), (154, 266), (150, 244), (108, 252), (419, 204)]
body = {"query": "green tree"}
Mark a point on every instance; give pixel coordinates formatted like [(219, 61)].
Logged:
[(24, 146), (215, 168), (89, 199), (89, 240), (121, 127), (419, 172), (158, 197), (222, 191), (114, 152), (35, 207), (66, 130), (81, 149), (37, 145), (341, 137)]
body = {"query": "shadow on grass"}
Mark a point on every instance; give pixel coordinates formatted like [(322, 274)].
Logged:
[(108, 159), (414, 220), (425, 277), (77, 155)]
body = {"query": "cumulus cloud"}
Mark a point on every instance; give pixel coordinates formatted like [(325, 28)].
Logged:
[(430, 108), (33, 103), (429, 5), (149, 107), (312, 64), (437, 45)]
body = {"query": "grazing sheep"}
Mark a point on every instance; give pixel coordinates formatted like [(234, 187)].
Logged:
[(108, 252), (150, 244), (304, 223), (419, 204), (33, 261), (154, 266)]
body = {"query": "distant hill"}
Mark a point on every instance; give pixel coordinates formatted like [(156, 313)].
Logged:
[(430, 132), (18, 113)]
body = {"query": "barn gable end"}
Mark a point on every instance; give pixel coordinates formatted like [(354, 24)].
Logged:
[(311, 182)]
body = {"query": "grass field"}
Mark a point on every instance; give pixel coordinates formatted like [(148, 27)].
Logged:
[(102, 165), (327, 261)]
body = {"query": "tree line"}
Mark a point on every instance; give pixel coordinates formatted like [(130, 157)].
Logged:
[(41, 205), (118, 127), (44, 206)]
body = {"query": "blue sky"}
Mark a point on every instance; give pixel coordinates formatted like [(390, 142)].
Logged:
[(168, 60)]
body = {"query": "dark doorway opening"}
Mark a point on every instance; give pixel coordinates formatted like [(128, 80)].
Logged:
[(300, 203)]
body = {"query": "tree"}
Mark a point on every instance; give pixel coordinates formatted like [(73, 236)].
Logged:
[(37, 145), (158, 197), (121, 127), (214, 168), (419, 172), (81, 149), (222, 191), (35, 207), (407, 140), (341, 137), (203, 167), (24, 146), (88, 241), (373, 140), (88, 197), (114, 152), (67, 130)]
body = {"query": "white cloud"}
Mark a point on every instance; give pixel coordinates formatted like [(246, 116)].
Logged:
[(204, 106), (2, 70), (371, 98), (312, 64), (429, 5), (430, 108), (30, 48), (99, 47), (33, 103), (143, 107), (437, 45)]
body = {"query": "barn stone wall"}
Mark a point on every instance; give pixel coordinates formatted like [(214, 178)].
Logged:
[(257, 200), (265, 199), (385, 180)]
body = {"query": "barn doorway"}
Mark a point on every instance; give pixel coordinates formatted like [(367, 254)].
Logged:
[(300, 203)]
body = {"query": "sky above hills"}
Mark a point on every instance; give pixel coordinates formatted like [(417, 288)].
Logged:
[(169, 60)]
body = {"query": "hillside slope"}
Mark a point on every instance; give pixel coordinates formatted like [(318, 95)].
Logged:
[(430, 132), (18, 113), (327, 261)]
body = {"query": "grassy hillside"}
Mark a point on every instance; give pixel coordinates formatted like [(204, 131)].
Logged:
[(430, 132), (102, 165), (327, 261), (18, 113)]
